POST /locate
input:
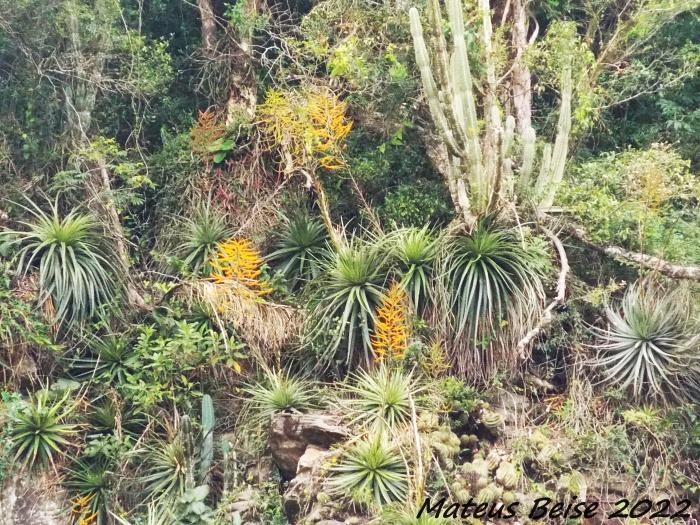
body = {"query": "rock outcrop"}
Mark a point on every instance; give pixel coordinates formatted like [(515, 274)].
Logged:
[(291, 434)]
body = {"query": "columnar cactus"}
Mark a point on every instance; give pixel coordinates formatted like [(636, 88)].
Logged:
[(480, 164)]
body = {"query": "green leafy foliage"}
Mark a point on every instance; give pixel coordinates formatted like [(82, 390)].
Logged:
[(650, 345), (77, 268), (641, 199)]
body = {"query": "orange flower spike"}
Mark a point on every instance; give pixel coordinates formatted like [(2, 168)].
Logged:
[(391, 330), (239, 260)]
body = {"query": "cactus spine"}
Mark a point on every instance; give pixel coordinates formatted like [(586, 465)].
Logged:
[(480, 165)]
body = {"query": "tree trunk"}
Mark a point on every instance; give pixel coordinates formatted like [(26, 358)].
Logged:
[(674, 271), (80, 96), (206, 15), (521, 84), (242, 98)]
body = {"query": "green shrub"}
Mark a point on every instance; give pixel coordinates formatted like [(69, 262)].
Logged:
[(640, 199), (416, 204)]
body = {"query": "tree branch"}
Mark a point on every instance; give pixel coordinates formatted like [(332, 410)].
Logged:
[(675, 271), (547, 315)]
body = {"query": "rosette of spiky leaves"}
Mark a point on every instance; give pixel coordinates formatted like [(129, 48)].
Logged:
[(277, 392), (113, 417), (371, 470), (90, 481), (240, 261), (415, 250), (650, 344), (158, 513), (76, 264), (391, 330), (39, 430), (109, 359), (167, 468), (300, 249), (199, 238), (349, 292), (381, 398), (407, 514), (489, 273)]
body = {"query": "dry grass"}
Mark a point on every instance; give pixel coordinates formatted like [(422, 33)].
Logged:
[(265, 326)]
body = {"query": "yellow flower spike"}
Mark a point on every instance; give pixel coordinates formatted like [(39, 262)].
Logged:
[(391, 330), (239, 260)]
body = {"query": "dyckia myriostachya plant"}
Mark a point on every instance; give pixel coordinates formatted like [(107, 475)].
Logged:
[(280, 392), (350, 290), (651, 345), (381, 398), (300, 249), (371, 469), (415, 251), (76, 265), (39, 431), (488, 273), (199, 238)]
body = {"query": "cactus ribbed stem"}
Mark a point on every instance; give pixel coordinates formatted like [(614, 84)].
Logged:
[(207, 448), (549, 186)]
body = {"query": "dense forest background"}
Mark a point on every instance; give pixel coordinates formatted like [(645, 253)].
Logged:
[(305, 262)]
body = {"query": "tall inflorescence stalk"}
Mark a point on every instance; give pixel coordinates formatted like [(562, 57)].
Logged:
[(391, 330)]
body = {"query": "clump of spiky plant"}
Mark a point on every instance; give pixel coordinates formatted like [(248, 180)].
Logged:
[(109, 358), (650, 344), (91, 481), (491, 281), (371, 470), (199, 238), (240, 261), (415, 250), (408, 514), (381, 398), (167, 466), (300, 248), (349, 292), (279, 392), (77, 267), (40, 431), (391, 329)]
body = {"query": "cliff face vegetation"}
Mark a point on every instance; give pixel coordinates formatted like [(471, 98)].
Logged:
[(349, 261)]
